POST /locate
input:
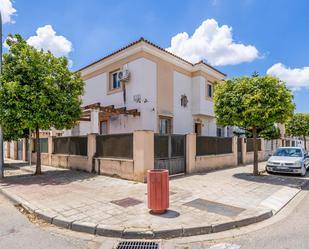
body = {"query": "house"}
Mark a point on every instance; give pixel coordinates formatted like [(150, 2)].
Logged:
[(144, 87)]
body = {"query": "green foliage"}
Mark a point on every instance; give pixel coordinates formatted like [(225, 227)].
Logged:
[(37, 90), (270, 133), (298, 125), (249, 102), (254, 104)]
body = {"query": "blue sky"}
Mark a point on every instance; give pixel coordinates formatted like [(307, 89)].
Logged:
[(276, 32)]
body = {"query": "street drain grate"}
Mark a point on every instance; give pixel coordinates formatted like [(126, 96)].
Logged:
[(137, 245)]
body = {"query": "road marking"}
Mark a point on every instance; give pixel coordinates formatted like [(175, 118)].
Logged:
[(225, 246)]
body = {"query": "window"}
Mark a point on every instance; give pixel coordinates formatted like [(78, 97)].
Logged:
[(209, 90), (165, 125), (219, 132), (114, 81)]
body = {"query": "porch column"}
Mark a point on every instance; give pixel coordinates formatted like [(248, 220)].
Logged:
[(143, 154), (94, 125), (190, 152)]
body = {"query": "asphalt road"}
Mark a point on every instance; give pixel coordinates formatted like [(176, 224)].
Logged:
[(16, 232)]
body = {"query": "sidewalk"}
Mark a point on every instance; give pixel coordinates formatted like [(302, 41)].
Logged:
[(199, 204)]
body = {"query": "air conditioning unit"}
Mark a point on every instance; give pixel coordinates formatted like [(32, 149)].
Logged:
[(124, 75)]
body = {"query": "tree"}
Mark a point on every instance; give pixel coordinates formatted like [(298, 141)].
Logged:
[(253, 103), (298, 126), (269, 133), (37, 91)]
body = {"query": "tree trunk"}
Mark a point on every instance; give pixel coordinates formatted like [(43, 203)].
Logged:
[(305, 142), (255, 152), (38, 152)]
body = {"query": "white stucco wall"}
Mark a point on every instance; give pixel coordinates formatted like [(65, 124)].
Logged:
[(183, 120), (201, 105), (143, 78)]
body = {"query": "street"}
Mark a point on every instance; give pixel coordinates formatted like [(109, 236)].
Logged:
[(17, 231)]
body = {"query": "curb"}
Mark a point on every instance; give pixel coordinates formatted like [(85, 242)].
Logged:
[(109, 231)]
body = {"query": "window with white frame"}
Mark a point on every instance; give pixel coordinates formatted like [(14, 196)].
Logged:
[(114, 80)]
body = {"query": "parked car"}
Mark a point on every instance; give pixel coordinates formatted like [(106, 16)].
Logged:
[(293, 160)]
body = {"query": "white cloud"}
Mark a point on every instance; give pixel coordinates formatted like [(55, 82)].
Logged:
[(295, 78), (47, 40), (7, 10), (212, 43)]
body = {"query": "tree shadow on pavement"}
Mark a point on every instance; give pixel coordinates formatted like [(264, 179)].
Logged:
[(274, 179), (49, 177)]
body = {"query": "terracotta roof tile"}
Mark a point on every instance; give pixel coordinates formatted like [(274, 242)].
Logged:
[(142, 39)]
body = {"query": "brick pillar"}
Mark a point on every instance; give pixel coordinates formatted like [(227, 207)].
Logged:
[(143, 154), (24, 154), (235, 150), (91, 149), (50, 149), (190, 152), (244, 150), (8, 149)]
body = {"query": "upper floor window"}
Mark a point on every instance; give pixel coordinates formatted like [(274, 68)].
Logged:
[(209, 90), (114, 81), (165, 125)]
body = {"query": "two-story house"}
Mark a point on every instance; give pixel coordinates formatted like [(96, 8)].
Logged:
[(143, 86)]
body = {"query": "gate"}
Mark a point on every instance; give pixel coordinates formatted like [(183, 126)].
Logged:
[(170, 153), (19, 150), (239, 150)]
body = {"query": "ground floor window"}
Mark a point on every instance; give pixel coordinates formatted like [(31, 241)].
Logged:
[(165, 125)]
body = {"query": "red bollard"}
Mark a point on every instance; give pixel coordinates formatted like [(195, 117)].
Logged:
[(158, 190)]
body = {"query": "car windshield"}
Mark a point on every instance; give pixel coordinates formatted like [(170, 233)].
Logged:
[(290, 152)]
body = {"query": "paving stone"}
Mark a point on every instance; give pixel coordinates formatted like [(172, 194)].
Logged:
[(223, 196)]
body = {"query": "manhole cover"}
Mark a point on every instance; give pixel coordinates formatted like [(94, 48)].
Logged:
[(137, 245), (127, 202)]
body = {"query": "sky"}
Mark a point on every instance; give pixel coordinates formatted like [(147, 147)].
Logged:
[(237, 37)]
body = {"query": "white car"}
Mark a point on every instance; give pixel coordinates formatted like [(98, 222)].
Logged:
[(293, 160)]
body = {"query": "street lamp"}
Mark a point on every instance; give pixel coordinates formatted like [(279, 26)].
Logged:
[(1, 133)]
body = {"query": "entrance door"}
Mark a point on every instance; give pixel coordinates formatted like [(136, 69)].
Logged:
[(170, 153)]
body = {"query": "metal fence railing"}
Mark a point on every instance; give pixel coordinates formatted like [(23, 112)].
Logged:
[(43, 145), (115, 145), (249, 144), (213, 145), (71, 145)]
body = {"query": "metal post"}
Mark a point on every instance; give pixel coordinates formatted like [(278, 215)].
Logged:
[(1, 133)]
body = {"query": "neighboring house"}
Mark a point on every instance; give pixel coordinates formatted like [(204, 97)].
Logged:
[(159, 91)]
